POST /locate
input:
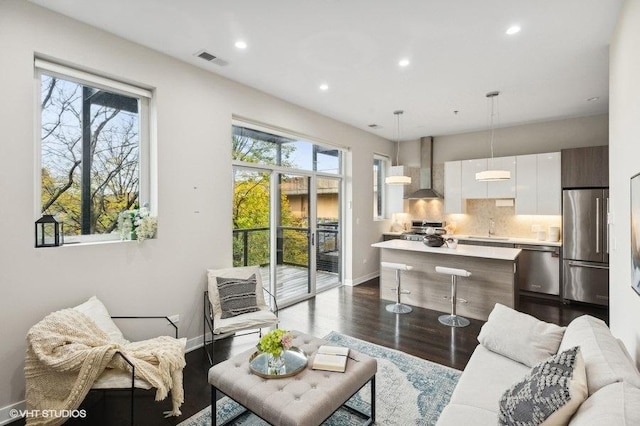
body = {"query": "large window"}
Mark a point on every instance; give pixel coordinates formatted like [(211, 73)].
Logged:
[(255, 146), (93, 150), (380, 166)]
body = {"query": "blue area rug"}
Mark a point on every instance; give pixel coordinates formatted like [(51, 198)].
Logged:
[(409, 391)]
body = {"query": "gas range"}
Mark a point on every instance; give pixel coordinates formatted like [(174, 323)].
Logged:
[(420, 228)]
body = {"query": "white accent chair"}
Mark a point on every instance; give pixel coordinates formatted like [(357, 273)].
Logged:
[(216, 327), (115, 379)]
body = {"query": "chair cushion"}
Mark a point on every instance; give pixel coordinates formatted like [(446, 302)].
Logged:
[(237, 296), (259, 319), (519, 336), (113, 378), (95, 309), (550, 394), (605, 358), (243, 273)]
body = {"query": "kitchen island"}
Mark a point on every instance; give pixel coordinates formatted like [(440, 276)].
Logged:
[(493, 276)]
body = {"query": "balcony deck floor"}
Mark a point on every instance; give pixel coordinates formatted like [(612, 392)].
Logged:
[(293, 281)]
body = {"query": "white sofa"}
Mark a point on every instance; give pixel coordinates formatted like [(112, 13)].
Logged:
[(510, 340)]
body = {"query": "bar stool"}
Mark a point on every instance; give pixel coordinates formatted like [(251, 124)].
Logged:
[(453, 320), (398, 308)]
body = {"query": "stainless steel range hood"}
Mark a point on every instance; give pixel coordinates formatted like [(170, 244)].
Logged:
[(426, 171)]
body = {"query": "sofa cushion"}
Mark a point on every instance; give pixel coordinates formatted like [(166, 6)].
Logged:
[(485, 378), (519, 336), (457, 415), (614, 404), (605, 360), (550, 394), (237, 296)]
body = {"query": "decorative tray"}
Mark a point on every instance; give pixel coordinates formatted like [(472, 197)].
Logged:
[(295, 360)]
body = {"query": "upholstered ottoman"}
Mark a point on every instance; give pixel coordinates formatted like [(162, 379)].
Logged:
[(308, 398)]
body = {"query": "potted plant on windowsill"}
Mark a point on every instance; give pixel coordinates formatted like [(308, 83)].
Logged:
[(137, 224)]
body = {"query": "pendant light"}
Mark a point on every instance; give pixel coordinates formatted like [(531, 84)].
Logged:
[(398, 179), (493, 175)]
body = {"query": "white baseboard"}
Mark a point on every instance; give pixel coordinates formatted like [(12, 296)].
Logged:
[(362, 279), (5, 412)]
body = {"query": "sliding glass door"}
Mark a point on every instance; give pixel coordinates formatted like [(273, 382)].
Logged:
[(328, 232), (287, 212)]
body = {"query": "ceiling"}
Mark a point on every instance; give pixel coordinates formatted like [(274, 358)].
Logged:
[(458, 51)]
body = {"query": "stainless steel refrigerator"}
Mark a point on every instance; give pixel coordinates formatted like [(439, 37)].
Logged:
[(585, 245)]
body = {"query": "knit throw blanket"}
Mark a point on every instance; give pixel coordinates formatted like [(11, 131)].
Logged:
[(67, 352)]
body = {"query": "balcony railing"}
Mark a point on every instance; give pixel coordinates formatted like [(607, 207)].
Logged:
[(251, 247)]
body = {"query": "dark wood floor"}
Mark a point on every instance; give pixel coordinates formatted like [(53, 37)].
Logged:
[(355, 311)]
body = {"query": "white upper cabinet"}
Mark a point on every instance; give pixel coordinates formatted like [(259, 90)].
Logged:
[(506, 188), (453, 187), (471, 188), (527, 184), (549, 184), (539, 189)]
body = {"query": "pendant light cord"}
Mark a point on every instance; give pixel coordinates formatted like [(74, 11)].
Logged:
[(398, 114), (493, 96)]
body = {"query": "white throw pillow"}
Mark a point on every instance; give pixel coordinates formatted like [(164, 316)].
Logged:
[(605, 358), (519, 336), (614, 404), (95, 309)]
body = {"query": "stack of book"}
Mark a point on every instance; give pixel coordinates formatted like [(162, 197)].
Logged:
[(331, 358)]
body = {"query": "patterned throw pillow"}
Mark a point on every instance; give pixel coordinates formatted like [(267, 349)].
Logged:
[(237, 296), (550, 394)]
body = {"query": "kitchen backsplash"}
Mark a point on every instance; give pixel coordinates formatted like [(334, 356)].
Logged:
[(479, 213)]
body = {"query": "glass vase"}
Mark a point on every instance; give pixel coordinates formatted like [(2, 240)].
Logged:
[(275, 364)]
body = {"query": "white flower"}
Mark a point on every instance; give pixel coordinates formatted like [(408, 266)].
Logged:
[(138, 221)]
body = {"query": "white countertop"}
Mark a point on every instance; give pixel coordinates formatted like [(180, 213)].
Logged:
[(500, 253), (508, 240), (496, 239)]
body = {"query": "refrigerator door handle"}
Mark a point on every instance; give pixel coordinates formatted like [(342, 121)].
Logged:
[(607, 223), (587, 265), (598, 225)]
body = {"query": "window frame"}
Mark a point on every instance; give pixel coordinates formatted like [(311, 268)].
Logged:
[(383, 168), (146, 195)]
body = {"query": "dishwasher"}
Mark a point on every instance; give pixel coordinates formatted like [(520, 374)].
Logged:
[(539, 269)]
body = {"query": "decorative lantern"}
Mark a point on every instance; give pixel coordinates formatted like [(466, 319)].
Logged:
[(49, 232)]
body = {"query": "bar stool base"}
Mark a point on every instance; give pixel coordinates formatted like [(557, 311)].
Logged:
[(453, 320), (398, 308)]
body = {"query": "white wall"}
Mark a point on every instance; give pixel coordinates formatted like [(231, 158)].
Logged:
[(194, 111), (524, 139), (624, 160)]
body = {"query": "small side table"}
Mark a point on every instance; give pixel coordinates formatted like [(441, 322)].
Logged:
[(308, 398)]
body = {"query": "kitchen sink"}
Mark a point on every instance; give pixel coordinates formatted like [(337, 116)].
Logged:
[(486, 237)]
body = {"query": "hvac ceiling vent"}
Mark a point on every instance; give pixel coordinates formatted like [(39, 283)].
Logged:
[(211, 58)]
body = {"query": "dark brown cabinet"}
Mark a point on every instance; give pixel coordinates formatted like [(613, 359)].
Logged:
[(585, 167)]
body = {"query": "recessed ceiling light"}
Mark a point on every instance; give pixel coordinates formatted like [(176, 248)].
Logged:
[(404, 62), (241, 44), (513, 29), (595, 98), (324, 87)]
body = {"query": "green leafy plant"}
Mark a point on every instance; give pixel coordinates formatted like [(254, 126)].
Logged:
[(275, 341)]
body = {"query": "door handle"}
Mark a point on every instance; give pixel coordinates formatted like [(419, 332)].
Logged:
[(607, 236), (313, 238), (586, 265), (598, 225)]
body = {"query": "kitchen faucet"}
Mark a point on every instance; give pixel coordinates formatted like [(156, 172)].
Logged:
[(492, 227)]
